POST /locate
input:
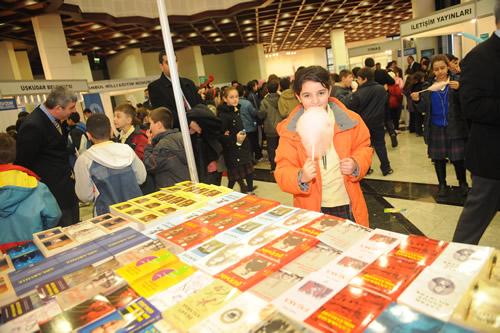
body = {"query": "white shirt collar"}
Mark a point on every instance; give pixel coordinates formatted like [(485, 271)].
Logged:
[(497, 32)]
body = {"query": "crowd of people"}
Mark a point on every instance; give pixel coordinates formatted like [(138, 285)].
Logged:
[(51, 159)]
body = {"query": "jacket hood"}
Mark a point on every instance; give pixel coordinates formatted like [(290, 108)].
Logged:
[(111, 155), (81, 126), (273, 99), (288, 94), (15, 187)]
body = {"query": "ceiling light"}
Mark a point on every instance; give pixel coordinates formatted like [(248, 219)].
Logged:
[(208, 28), (285, 15), (249, 34), (233, 34), (248, 29), (193, 34), (96, 48), (389, 7), (214, 34), (247, 22), (473, 21), (117, 34), (224, 21), (218, 39), (95, 26), (145, 34), (251, 38), (309, 7), (266, 22), (179, 40), (365, 3), (158, 27), (132, 41), (112, 52)]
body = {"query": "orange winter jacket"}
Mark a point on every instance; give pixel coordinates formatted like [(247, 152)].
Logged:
[(351, 138)]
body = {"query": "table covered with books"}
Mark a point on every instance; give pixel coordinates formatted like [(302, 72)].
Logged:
[(201, 258)]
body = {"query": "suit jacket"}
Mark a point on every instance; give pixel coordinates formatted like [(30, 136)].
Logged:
[(480, 100), (42, 149), (415, 67), (161, 93)]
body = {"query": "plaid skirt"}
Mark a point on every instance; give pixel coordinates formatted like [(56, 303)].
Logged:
[(239, 172), (440, 146)]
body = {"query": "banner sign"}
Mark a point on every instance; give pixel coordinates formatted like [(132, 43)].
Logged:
[(7, 104), (93, 102), (121, 84), (442, 18), (36, 87), (410, 51)]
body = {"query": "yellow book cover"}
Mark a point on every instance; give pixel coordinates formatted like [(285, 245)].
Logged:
[(171, 189), (139, 200), (151, 204), (162, 279), (166, 209), (146, 265), (200, 305)]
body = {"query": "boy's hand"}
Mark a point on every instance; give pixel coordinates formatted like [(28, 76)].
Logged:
[(347, 166), (308, 171)]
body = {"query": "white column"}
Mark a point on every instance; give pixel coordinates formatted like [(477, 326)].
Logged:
[(49, 34), (24, 65), (250, 63), (124, 65), (339, 49), (10, 68), (191, 63), (81, 67)]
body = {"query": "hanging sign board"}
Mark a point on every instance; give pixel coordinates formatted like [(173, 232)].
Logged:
[(121, 84), (36, 87), (449, 16), (373, 48), (7, 104)]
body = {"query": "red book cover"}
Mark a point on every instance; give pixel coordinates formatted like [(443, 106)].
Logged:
[(287, 247), (211, 216), (248, 272), (320, 225), (251, 205), (177, 230), (351, 310), (190, 238), (225, 222), (420, 249), (388, 276)]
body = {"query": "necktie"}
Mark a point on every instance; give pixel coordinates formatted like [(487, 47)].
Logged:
[(58, 127), (186, 104)]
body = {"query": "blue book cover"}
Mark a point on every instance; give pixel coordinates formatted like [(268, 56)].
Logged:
[(132, 318), (400, 318), (81, 256), (121, 240), (27, 258), (27, 278), (21, 250)]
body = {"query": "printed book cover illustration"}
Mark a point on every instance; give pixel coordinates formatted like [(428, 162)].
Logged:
[(21, 250), (146, 265), (313, 260), (189, 239), (320, 225), (226, 222), (243, 230), (161, 279), (464, 258), (263, 237), (243, 314), (84, 231), (115, 223), (287, 247), (277, 214), (280, 323), (276, 284), (223, 258), (420, 249), (344, 235), (177, 230), (5, 264), (27, 259), (299, 219), (48, 291), (201, 251), (377, 243), (101, 218), (7, 293), (39, 236), (88, 311), (388, 276), (138, 252), (251, 205), (350, 310), (20, 307), (199, 306), (398, 317), (182, 290), (27, 278), (28, 323), (122, 297), (249, 271)]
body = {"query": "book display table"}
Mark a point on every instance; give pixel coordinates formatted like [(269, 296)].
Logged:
[(201, 258)]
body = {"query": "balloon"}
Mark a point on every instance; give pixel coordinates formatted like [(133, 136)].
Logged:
[(316, 131), (473, 37)]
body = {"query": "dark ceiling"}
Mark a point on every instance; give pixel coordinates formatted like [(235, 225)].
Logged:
[(278, 24)]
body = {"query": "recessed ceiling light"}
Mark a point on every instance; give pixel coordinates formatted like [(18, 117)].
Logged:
[(95, 26), (251, 38), (158, 27), (247, 22), (266, 22), (179, 40), (233, 34), (132, 41), (218, 39), (299, 24), (193, 34), (285, 15), (214, 34)]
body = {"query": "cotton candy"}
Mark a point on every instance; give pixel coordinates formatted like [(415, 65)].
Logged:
[(316, 131), (437, 86)]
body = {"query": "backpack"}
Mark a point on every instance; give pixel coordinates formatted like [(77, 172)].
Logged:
[(395, 96)]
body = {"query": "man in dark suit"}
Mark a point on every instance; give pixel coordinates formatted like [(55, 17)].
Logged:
[(42, 147), (161, 91), (480, 99), (413, 66)]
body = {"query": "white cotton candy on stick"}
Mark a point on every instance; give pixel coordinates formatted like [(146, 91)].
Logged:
[(316, 131), (436, 86)]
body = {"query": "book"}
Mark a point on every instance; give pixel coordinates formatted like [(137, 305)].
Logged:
[(58, 323), (189, 286), (39, 236), (121, 240), (436, 292), (27, 278), (223, 258), (281, 323), (7, 293), (22, 249), (5, 264), (344, 235), (251, 205), (84, 231), (350, 310), (242, 230), (88, 311), (276, 284), (122, 296), (298, 219), (115, 223), (102, 283), (170, 233), (397, 316), (161, 279), (465, 259), (152, 233), (320, 225), (388, 276), (303, 299), (141, 201), (189, 239), (287, 247), (420, 249), (168, 210), (146, 265), (225, 199), (243, 314), (81, 256), (279, 213), (264, 236), (317, 257), (248, 271), (138, 252), (199, 252), (346, 266), (20, 307), (28, 323), (377, 243), (200, 305), (48, 291), (134, 317), (101, 218), (57, 244), (119, 209), (148, 220), (27, 259)]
